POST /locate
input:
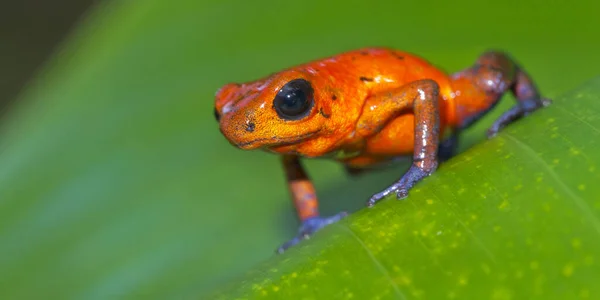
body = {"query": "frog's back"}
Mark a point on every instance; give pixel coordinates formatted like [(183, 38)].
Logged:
[(382, 69)]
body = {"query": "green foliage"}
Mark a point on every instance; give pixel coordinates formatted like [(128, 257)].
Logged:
[(116, 183)]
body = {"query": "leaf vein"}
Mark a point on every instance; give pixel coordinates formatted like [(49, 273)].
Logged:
[(478, 242), (581, 204), (579, 119), (379, 265)]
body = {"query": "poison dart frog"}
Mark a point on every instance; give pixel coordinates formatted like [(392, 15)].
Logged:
[(364, 108)]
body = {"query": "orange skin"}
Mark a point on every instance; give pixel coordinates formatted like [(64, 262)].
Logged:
[(365, 108)]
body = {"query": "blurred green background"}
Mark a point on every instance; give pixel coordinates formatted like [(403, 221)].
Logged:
[(114, 179)]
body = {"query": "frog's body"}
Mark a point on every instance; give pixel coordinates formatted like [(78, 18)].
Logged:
[(365, 107), (342, 85)]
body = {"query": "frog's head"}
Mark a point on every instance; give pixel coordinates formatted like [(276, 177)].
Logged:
[(276, 112)]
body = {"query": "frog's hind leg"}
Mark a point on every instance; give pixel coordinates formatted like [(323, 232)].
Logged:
[(479, 88)]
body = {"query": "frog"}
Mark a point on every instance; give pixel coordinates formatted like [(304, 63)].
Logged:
[(366, 108)]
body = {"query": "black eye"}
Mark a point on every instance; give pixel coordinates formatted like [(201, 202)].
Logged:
[(294, 100)]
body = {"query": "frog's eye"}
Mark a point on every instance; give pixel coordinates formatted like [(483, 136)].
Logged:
[(294, 100)]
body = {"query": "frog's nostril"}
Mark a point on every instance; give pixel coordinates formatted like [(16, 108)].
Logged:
[(217, 116)]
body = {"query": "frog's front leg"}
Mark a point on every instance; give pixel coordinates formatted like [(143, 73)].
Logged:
[(422, 98), (305, 200)]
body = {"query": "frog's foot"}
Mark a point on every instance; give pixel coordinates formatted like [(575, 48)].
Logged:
[(402, 186), (309, 227), (516, 112)]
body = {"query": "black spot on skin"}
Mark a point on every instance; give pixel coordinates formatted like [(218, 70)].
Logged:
[(365, 79), (250, 127), (326, 116), (244, 95), (398, 56), (333, 97)]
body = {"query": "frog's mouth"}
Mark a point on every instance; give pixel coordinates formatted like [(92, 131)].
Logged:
[(274, 141)]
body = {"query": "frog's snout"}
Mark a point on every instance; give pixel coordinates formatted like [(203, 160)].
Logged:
[(239, 128)]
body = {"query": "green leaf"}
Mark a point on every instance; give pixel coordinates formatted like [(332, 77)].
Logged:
[(515, 217)]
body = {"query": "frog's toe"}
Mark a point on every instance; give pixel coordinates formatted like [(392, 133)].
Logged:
[(401, 193), (309, 227), (381, 195)]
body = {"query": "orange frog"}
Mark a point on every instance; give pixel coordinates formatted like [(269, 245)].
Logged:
[(364, 108)]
